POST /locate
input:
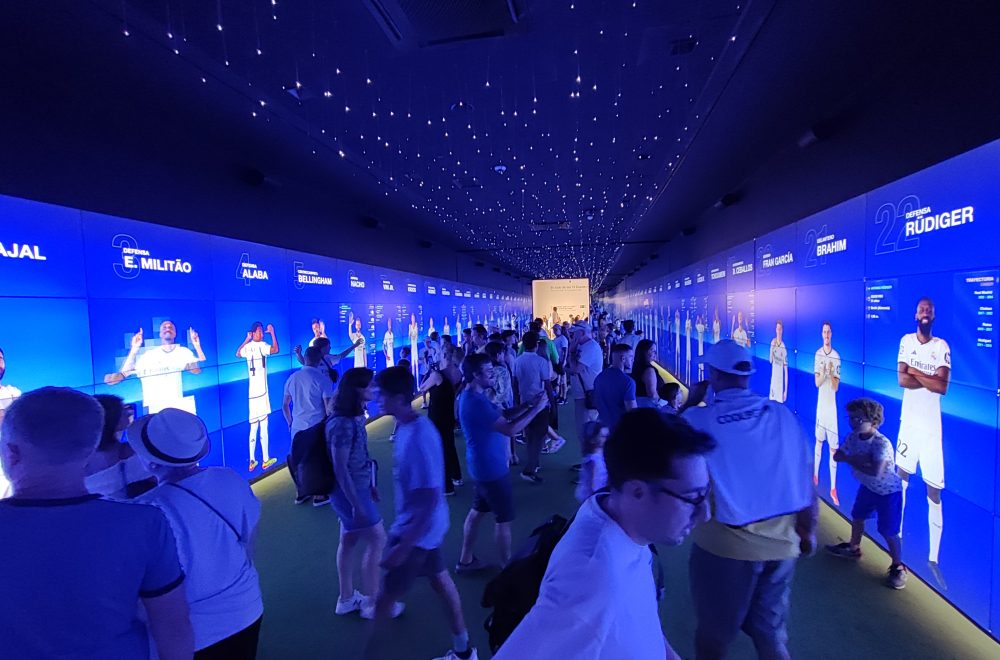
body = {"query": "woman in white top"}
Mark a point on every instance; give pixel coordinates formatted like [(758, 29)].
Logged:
[(214, 516), (114, 470)]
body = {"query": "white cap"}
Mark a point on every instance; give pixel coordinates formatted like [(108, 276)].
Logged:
[(731, 358)]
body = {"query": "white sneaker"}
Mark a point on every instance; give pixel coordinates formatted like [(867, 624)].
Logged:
[(368, 609), (451, 655), (353, 604), (557, 444)]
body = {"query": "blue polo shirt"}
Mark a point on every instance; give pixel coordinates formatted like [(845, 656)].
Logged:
[(73, 572), (485, 448), (612, 388)]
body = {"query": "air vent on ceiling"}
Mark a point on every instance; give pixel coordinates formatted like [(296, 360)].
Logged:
[(423, 23)]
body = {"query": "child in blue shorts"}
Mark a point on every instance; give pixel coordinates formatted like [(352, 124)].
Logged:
[(872, 459)]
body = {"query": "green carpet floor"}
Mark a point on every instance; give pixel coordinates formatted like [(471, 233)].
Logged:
[(839, 608)]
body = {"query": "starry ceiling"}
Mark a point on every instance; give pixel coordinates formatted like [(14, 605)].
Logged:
[(538, 134)]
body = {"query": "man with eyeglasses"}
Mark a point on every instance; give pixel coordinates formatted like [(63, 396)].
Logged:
[(597, 600), (764, 510)]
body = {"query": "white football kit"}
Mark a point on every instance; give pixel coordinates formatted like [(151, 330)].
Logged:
[(740, 337), (160, 374), (700, 327), (388, 345), (919, 439), (414, 355), (7, 395), (716, 331), (687, 349), (826, 400), (256, 354), (779, 360), (360, 359)]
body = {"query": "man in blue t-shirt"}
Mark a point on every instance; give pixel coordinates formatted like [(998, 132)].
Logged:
[(486, 436), (614, 389), (76, 566)]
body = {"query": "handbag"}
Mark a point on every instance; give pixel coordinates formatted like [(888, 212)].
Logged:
[(588, 395), (309, 462)]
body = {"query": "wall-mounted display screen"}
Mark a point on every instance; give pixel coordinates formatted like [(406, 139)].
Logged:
[(891, 295), (165, 317)]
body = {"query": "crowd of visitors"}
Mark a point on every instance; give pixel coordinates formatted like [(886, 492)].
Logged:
[(657, 463)]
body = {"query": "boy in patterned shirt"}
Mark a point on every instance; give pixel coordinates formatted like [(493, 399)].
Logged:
[(872, 459)]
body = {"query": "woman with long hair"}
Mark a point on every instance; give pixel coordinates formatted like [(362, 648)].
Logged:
[(355, 496), (647, 379), (442, 384)]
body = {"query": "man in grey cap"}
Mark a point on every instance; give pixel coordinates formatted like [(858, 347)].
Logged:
[(764, 510)]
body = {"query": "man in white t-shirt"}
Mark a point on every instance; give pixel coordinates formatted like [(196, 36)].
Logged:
[(256, 351), (532, 379), (159, 368), (586, 360), (7, 395), (213, 514), (414, 547), (307, 400), (598, 599), (924, 367), (716, 327), (827, 374)]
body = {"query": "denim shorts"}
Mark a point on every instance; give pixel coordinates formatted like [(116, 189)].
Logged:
[(345, 511), (495, 496), (731, 595), (887, 508)]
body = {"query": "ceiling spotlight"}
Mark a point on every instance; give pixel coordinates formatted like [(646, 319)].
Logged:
[(500, 168)]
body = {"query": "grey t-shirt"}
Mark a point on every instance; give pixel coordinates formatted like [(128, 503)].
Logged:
[(531, 371), (350, 432), (419, 464)]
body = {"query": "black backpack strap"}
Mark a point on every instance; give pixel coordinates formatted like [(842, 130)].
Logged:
[(239, 537)]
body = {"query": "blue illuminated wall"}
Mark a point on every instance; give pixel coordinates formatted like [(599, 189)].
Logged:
[(863, 266), (77, 287)]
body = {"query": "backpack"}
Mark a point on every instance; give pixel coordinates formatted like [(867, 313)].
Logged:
[(513, 592), (309, 462)]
